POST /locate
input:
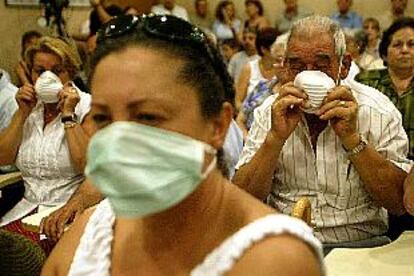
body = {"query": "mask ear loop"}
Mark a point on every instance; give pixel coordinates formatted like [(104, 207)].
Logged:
[(210, 150)]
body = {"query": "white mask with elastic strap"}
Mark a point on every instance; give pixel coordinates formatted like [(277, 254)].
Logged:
[(47, 87)]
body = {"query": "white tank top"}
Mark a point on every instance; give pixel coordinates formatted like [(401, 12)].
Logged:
[(93, 255), (255, 75)]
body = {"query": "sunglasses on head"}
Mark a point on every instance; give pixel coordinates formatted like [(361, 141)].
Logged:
[(165, 27)]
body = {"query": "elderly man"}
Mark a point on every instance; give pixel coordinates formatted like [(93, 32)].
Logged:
[(349, 20), (348, 158), (169, 7)]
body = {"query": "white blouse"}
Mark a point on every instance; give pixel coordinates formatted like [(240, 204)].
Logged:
[(45, 162), (93, 255)]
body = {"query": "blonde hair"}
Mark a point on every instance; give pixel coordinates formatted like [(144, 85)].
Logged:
[(64, 50)]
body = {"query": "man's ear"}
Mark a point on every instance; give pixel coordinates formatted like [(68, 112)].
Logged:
[(346, 65), (221, 124)]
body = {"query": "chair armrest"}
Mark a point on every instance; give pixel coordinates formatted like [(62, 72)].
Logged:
[(10, 178)]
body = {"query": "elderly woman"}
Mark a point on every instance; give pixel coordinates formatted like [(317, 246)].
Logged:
[(397, 83), (169, 210), (47, 136), (397, 80)]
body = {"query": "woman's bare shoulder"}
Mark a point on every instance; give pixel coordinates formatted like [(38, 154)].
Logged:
[(279, 255), (59, 261)]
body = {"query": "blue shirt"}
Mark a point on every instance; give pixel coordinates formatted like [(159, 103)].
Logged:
[(351, 20)]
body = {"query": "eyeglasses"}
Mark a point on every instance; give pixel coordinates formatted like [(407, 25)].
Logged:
[(165, 27)]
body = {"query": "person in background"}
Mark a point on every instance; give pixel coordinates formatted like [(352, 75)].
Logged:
[(263, 89), (8, 104), (347, 156), (292, 13), (349, 20), (226, 24), (397, 80), (354, 48), (22, 72), (397, 83), (202, 17), (183, 125), (397, 10), (248, 53), (169, 7), (257, 70), (228, 48), (49, 132), (255, 18), (370, 58)]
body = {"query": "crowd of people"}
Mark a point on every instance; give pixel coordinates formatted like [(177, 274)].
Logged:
[(145, 128)]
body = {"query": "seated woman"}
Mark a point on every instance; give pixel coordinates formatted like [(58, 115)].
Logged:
[(256, 77), (397, 83), (226, 25), (169, 210), (254, 12), (47, 136)]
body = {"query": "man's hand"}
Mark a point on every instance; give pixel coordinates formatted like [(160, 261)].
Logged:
[(341, 109), (287, 110), (54, 225)]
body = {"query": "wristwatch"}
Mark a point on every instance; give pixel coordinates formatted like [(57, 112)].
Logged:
[(358, 148), (69, 118)]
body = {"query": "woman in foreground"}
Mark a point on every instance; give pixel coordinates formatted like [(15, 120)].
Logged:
[(158, 98)]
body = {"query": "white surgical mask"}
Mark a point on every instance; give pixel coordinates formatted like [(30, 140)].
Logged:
[(144, 170), (316, 85), (47, 87)]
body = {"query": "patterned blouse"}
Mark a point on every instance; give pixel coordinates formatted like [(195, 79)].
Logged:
[(381, 80)]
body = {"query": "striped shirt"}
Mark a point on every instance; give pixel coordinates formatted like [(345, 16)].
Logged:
[(342, 210)]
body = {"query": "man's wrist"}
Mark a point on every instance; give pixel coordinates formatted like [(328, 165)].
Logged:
[(274, 140), (351, 141)]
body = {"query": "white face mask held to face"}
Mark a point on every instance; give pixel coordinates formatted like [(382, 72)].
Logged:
[(47, 87), (316, 85), (144, 170)]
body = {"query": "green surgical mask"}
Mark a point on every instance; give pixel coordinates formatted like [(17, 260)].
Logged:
[(144, 170)]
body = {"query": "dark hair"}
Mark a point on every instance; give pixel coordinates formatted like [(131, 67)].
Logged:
[(265, 38), (207, 74), (210, 77), (231, 42), (220, 7), (405, 22), (27, 36), (95, 23), (257, 3)]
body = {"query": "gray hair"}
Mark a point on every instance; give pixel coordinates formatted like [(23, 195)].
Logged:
[(310, 24)]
